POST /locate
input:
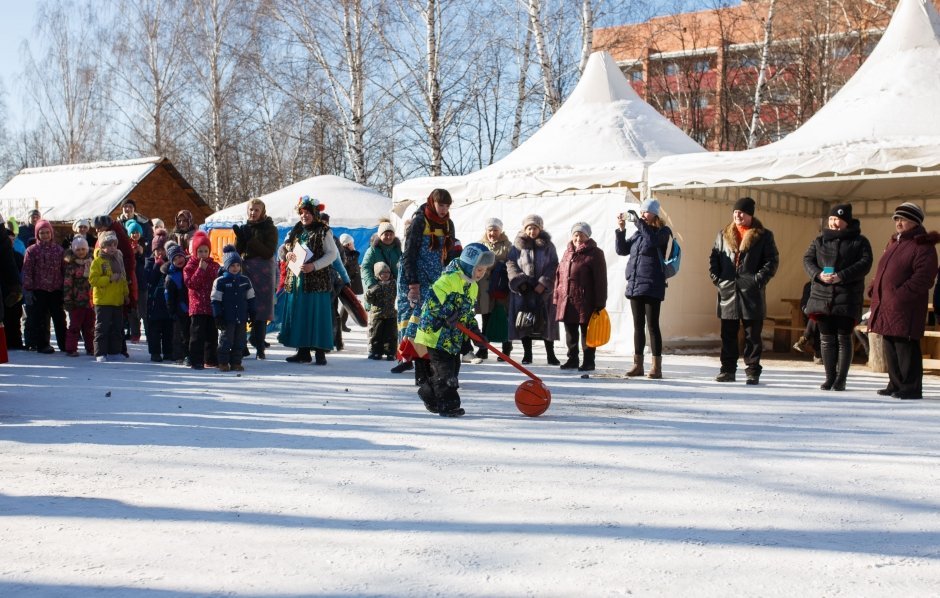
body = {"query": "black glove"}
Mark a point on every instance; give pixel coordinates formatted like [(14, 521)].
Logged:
[(220, 322), (12, 298)]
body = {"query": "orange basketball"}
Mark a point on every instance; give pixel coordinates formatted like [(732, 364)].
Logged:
[(533, 398)]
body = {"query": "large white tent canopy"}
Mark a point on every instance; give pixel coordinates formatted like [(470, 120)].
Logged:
[(878, 138), (349, 204), (604, 135), (587, 163)]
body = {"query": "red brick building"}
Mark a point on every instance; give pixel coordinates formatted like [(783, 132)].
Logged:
[(700, 69)]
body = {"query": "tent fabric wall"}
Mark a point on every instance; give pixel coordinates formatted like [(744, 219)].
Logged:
[(598, 208)]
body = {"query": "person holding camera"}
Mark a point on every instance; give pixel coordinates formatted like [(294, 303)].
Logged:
[(531, 267), (646, 280), (256, 242), (837, 262)]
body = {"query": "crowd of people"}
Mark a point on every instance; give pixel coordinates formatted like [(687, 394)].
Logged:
[(117, 280)]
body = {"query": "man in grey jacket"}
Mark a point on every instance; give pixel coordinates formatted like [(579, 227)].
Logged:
[(743, 260)]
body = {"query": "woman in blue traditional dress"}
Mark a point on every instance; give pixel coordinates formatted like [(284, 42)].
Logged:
[(429, 245), (308, 316)]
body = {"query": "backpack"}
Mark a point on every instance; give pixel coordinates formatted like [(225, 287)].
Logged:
[(673, 257)]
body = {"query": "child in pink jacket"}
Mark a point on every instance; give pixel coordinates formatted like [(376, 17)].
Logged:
[(78, 301), (199, 274)]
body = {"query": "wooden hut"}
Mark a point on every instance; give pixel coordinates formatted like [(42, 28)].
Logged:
[(67, 193)]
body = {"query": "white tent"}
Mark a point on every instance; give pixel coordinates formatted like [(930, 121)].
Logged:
[(586, 163), (353, 208), (875, 144)]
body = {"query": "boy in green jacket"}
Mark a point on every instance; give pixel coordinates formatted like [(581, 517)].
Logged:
[(453, 299)]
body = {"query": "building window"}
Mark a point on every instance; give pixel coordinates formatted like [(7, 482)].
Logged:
[(636, 75), (702, 66), (702, 102), (672, 69), (748, 62), (669, 105), (840, 51)]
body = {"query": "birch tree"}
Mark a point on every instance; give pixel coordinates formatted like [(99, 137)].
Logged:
[(339, 38), (761, 76), (147, 66), (66, 86), (552, 97)]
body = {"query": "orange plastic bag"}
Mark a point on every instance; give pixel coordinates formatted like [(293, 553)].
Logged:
[(598, 330)]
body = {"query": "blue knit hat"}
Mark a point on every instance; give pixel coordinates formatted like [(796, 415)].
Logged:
[(230, 256), (133, 227), (650, 205), (173, 250)]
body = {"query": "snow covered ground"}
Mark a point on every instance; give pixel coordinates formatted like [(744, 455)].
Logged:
[(141, 479)]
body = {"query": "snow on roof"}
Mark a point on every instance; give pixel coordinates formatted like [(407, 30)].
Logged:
[(349, 204), (883, 118), (66, 193), (603, 135)]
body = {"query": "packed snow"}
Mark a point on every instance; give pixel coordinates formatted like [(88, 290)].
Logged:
[(140, 479)]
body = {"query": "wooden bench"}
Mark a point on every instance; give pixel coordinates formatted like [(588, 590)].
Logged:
[(930, 347), (783, 330)]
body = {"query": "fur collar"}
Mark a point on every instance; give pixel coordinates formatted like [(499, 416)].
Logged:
[(523, 242), (750, 237)]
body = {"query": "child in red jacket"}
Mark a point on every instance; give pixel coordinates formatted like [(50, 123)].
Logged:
[(199, 274)]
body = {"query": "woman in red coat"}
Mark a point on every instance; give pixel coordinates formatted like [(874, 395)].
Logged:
[(899, 292), (580, 290)]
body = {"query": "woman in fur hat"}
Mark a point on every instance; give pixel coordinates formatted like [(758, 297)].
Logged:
[(531, 266)]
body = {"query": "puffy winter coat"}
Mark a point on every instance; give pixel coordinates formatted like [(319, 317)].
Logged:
[(175, 292), (453, 294), (741, 270), (646, 248), (155, 272), (43, 267), (899, 291), (848, 252), (104, 291), (581, 283), (532, 262), (233, 298), (380, 252), (76, 290), (494, 287), (199, 284), (256, 239), (381, 298), (351, 263)]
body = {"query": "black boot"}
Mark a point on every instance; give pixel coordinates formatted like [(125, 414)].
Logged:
[(423, 381), (572, 362), (550, 353), (507, 350), (320, 357), (588, 364), (301, 356), (526, 350), (830, 354), (845, 361), (402, 367)]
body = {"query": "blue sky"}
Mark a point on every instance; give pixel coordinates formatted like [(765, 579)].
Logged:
[(16, 25)]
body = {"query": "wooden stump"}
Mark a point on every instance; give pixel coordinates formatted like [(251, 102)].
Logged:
[(876, 353)]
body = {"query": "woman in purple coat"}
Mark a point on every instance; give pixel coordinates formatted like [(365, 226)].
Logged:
[(899, 293), (580, 291)]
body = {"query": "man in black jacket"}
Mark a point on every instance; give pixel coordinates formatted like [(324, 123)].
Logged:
[(743, 260)]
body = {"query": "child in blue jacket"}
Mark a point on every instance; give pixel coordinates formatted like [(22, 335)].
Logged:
[(176, 296), (233, 306)]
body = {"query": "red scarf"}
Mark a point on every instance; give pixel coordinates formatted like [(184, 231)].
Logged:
[(438, 228)]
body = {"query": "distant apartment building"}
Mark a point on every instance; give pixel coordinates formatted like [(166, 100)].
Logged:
[(700, 69)]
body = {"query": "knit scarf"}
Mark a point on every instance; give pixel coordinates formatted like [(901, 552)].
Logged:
[(115, 260), (438, 229)]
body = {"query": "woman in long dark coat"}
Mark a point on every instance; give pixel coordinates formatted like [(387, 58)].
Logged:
[(256, 241), (580, 291), (899, 294), (531, 266), (646, 280), (837, 262)]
